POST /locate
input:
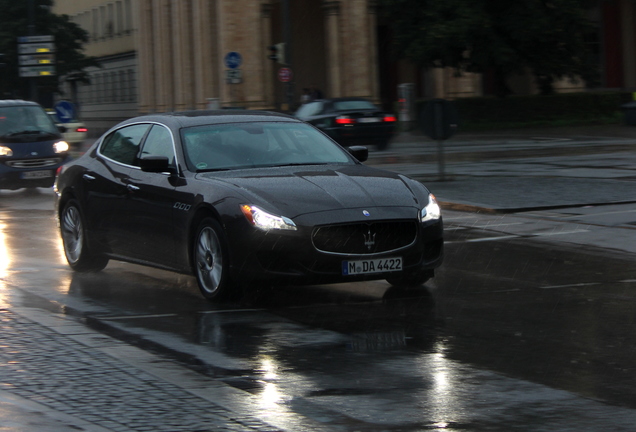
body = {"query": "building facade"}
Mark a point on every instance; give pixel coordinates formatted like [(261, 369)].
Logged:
[(165, 55)]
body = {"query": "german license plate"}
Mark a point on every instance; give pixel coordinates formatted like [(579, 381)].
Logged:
[(368, 120), (37, 174), (382, 265)]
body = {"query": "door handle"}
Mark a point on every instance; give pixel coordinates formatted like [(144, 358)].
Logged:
[(88, 177), (132, 187)]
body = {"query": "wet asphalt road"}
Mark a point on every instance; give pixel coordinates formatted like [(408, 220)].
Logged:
[(521, 329)]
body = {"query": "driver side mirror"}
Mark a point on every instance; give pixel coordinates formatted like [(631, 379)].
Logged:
[(156, 164)]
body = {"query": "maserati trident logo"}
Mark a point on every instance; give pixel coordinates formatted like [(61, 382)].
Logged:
[(369, 239)]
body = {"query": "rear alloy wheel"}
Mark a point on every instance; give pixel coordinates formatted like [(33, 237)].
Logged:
[(211, 261), (410, 280), (79, 256)]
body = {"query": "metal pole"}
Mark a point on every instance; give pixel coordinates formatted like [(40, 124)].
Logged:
[(440, 158), (33, 90), (439, 132)]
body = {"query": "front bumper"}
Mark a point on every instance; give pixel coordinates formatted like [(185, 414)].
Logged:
[(30, 175), (291, 257)]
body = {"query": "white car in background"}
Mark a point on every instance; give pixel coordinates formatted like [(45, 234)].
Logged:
[(76, 131)]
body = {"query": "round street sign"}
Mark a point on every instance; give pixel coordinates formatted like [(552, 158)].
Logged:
[(65, 111), (285, 74), (233, 60)]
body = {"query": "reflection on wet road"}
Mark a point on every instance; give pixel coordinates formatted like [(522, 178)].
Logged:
[(510, 335)]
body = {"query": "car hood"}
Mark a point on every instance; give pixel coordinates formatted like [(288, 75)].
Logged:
[(295, 191)]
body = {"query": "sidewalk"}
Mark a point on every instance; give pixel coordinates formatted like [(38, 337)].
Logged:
[(58, 375), (521, 170)]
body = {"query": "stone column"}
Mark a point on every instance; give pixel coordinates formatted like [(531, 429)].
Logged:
[(334, 63), (205, 58), (182, 42), (356, 42), (162, 55), (145, 68)]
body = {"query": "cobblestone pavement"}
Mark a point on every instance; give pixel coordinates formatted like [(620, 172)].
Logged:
[(44, 366)]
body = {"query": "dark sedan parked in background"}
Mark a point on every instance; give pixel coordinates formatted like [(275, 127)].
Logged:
[(244, 197), (350, 121), (31, 146)]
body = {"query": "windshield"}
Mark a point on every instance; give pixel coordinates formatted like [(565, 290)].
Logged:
[(26, 119), (251, 145)]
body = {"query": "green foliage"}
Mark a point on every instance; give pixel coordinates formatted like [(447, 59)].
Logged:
[(525, 111), (69, 39), (549, 37)]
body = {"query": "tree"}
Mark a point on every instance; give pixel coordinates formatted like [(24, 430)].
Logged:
[(548, 37), (69, 39)]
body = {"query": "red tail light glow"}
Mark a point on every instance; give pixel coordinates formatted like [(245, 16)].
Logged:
[(390, 118), (344, 120), (81, 129)]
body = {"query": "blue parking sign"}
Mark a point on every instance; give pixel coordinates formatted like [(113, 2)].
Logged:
[(233, 60), (65, 111)]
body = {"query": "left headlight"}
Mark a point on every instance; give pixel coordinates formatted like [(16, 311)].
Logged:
[(61, 147), (5, 151), (265, 221), (432, 210)]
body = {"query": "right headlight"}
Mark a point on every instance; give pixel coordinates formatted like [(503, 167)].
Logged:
[(432, 211), (5, 151)]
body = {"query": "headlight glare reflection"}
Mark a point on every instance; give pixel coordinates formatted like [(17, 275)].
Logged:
[(432, 211), (61, 147), (265, 221)]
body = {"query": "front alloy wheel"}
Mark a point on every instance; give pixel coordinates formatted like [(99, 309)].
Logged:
[(211, 261), (79, 256)]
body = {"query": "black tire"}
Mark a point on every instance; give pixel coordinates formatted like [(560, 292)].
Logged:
[(73, 231), (211, 261), (410, 279)]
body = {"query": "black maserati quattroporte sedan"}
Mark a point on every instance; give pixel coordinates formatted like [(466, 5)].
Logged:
[(244, 197)]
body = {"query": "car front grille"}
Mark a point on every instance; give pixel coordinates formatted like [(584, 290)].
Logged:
[(364, 238), (33, 163)]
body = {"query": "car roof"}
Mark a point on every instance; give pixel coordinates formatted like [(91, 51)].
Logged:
[(16, 102), (204, 117)]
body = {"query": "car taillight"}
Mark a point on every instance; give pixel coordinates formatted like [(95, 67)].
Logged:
[(344, 120), (390, 118), (81, 129)]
